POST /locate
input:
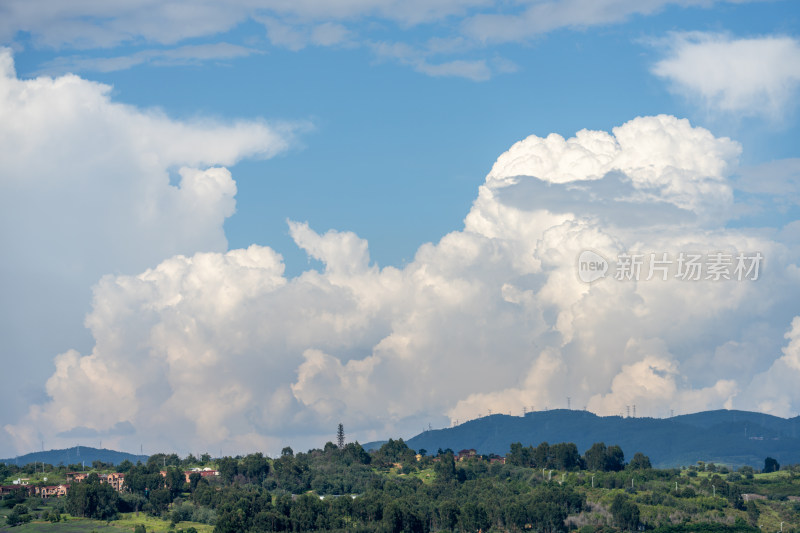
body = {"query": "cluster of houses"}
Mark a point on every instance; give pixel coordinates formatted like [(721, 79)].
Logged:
[(115, 479), (465, 455), (204, 472), (50, 491)]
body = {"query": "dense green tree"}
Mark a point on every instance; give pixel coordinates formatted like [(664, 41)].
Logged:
[(355, 453), (141, 480), (54, 516), (541, 456), (625, 513), (474, 516), (530, 457), (194, 480), (595, 457), (734, 494), (92, 499), (228, 469), (394, 451), (18, 515), (519, 455), (160, 461), (130, 502), (546, 517), (640, 462), (255, 467), (615, 459), (445, 468), (231, 521), (307, 512), (292, 473), (565, 456), (771, 465), (447, 514), (753, 513), (174, 481), (562, 495), (158, 501)]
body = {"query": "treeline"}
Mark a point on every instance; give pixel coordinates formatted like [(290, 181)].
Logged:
[(347, 489), (404, 504), (565, 456), (57, 473), (393, 489), (169, 495)]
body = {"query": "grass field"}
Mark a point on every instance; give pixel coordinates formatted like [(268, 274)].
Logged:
[(126, 522), (71, 526), (427, 475)]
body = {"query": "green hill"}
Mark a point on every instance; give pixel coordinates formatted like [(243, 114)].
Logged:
[(75, 455), (727, 437)]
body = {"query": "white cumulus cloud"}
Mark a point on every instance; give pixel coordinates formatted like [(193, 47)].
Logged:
[(221, 349), (758, 76), (89, 186)]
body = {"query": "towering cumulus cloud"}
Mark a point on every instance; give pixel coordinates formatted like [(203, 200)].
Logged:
[(222, 349), (89, 186)]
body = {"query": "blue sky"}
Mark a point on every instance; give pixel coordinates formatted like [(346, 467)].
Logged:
[(378, 120), (401, 151)]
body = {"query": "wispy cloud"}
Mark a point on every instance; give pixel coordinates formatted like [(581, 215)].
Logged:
[(182, 55), (298, 35), (93, 24), (420, 60), (533, 19)]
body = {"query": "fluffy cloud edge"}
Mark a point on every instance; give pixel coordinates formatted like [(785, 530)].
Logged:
[(229, 336), (747, 76)]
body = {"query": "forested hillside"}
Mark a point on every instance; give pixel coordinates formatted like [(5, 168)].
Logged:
[(548, 488), (75, 455), (729, 437)]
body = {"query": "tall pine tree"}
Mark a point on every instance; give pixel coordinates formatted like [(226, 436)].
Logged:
[(340, 436)]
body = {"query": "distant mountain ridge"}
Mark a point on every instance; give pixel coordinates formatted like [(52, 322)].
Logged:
[(75, 455), (729, 437)]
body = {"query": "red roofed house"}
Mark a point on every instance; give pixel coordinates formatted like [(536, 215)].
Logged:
[(56, 491), (466, 454)]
